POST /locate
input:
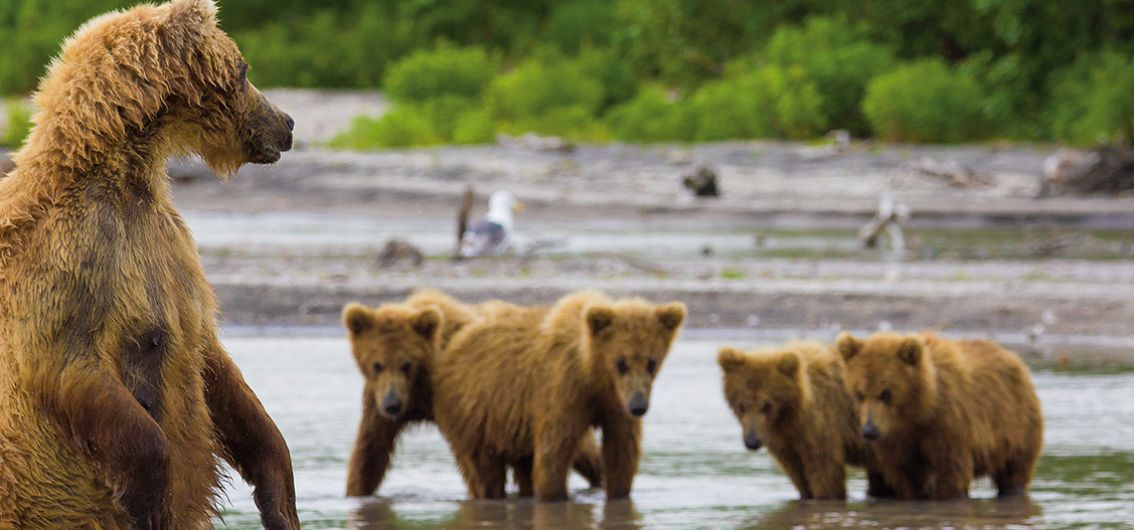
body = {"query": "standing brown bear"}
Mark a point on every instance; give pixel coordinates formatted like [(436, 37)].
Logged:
[(940, 413), (395, 346), (794, 401), (510, 388), (116, 396)]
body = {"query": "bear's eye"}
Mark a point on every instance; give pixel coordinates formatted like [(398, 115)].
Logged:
[(859, 396), (886, 396), (651, 366), (741, 408), (407, 368), (378, 368), (766, 408), (622, 366)]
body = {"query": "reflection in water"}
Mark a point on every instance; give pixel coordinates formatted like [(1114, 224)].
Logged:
[(1013, 512), (512, 514), (695, 471)]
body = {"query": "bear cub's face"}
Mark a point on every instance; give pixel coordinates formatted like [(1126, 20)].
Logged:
[(762, 389), (392, 345), (629, 343), (882, 375)]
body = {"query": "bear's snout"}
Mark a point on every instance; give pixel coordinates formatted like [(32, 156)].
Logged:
[(392, 405), (752, 441), (870, 431), (639, 404)]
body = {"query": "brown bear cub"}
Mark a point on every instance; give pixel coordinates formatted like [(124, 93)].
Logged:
[(394, 347), (793, 401), (117, 399), (513, 388), (941, 412)]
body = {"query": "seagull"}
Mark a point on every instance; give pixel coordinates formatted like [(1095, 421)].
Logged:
[(492, 234)]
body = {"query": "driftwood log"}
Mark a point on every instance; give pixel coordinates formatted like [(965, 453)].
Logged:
[(889, 219), (1107, 170), (468, 200)]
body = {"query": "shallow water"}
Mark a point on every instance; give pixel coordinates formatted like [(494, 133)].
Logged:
[(695, 472)]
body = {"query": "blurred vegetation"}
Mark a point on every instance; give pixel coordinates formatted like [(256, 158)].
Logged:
[(674, 70), (18, 124)]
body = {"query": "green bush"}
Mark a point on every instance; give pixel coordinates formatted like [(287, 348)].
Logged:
[(1093, 100), (577, 24), (324, 49), (836, 55), (443, 72), (925, 101), (616, 76), (19, 124), (535, 89), (650, 117), (400, 127), (767, 102), (474, 127), (574, 122)]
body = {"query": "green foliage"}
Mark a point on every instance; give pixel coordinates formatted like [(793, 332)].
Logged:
[(766, 102), (837, 56), (926, 101), (1093, 100), (19, 124), (650, 117), (445, 72), (474, 127), (535, 89), (400, 127)]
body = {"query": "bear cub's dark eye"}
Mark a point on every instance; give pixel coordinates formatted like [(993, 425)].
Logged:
[(859, 396), (886, 396), (407, 368), (651, 366), (622, 366), (767, 407), (378, 368)]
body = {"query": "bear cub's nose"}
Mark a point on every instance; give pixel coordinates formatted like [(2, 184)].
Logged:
[(639, 404), (752, 441), (392, 405), (870, 432)]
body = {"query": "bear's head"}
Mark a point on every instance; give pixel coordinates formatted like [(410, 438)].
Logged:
[(765, 389), (393, 346), (891, 379), (158, 81), (628, 341)]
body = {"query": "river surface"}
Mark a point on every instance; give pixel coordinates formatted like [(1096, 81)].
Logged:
[(695, 471)]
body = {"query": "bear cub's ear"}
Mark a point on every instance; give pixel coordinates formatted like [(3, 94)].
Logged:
[(910, 351), (848, 346), (599, 318), (671, 315), (426, 323), (730, 358), (356, 318), (789, 364)]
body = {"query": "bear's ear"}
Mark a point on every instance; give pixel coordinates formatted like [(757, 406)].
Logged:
[(427, 322), (671, 315), (203, 9), (730, 359), (599, 318), (910, 351), (789, 364), (356, 318), (848, 346)]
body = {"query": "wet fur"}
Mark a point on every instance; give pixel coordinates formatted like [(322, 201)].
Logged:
[(810, 427), (959, 410), (116, 398), (386, 335), (532, 386)]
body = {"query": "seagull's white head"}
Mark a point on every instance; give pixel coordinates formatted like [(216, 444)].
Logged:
[(501, 206)]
